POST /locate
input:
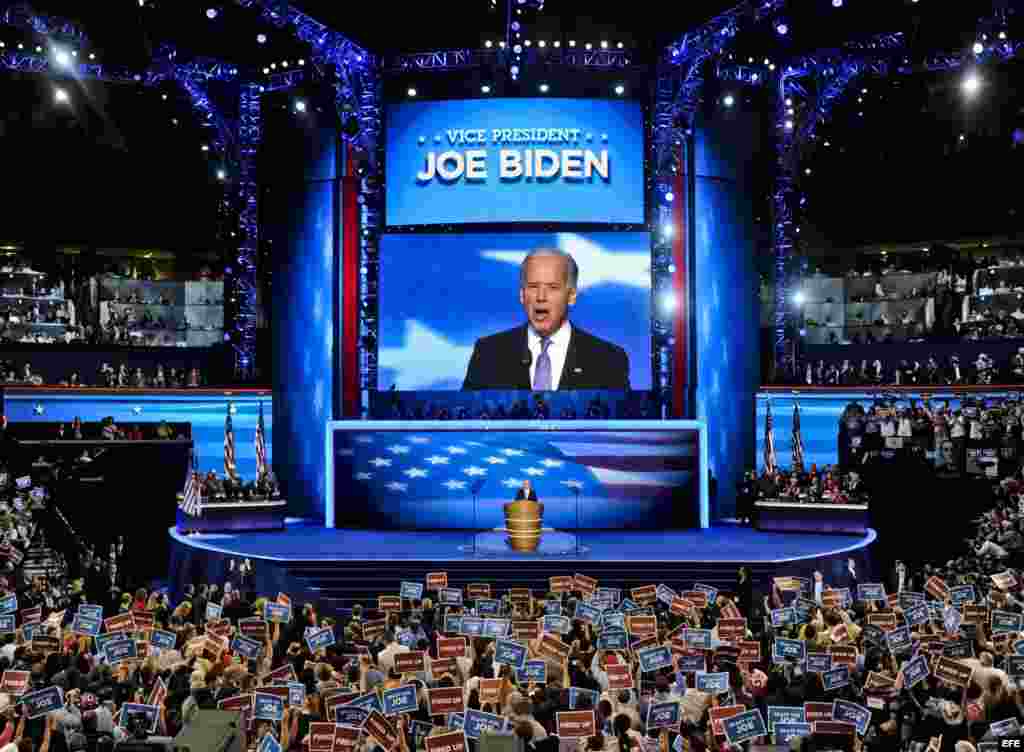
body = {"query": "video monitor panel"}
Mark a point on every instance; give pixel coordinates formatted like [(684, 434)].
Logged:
[(513, 161), (445, 296)]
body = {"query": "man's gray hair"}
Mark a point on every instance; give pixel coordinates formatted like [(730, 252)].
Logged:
[(574, 271)]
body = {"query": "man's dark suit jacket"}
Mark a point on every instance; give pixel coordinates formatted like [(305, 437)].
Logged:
[(502, 361), (520, 496)]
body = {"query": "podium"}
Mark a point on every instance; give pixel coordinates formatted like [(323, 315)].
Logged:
[(523, 524)]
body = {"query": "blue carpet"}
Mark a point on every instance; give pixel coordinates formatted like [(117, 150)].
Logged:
[(300, 542)]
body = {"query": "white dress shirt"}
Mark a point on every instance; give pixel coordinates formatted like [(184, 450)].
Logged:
[(558, 350)]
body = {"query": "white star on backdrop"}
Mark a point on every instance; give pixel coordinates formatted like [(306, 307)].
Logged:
[(534, 471), (396, 486), (38, 409), (495, 460), (364, 439), (424, 359), (364, 476), (137, 410), (552, 463), (419, 439), (512, 452), (473, 470), (474, 443), (597, 265), (437, 460), (415, 472), (572, 483), (398, 449), (454, 485), (380, 462), (511, 482), (456, 450)]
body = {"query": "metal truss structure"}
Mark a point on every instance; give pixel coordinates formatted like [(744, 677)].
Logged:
[(467, 59)]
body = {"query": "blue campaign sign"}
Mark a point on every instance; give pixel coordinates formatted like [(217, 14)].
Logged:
[(269, 744), (783, 617), (451, 597), (871, 591), (575, 693), (42, 701), (1007, 621), (552, 608), (514, 160), (533, 671), (1009, 727), (268, 707), (29, 631), (147, 715), (915, 671), (407, 638), (350, 715), (1018, 647), (836, 677), (907, 599), (786, 731), (478, 721), (653, 658), (916, 614), (488, 607), (85, 625), (961, 594), (400, 700), (369, 701), (712, 592), (277, 612), (161, 638), (612, 593), (664, 715), (818, 663), (951, 619), (296, 694), (412, 591), (9, 604), (557, 625), (743, 726), (453, 623), (613, 620), (698, 638), (320, 639), (472, 626), (213, 611), (245, 647), (785, 714), (7, 623), (496, 627), (627, 605), (713, 684), (789, 650), (120, 650), (665, 594), (587, 613), (510, 653), (692, 663), (851, 712), (614, 639), (899, 639), (457, 721)]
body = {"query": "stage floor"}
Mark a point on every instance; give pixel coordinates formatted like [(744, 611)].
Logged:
[(301, 542)]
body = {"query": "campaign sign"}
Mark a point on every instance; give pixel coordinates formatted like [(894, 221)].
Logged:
[(533, 671), (437, 580), (496, 627), (296, 694), (899, 640), (370, 701), (213, 611), (552, 608), (587, 613), (713, 684), (699, 639), (576, 693), (789, 650), (400, 700), (1007, 621), (410, 663), (320, 639), (953, 671), (412, 591), (381, 730), (9, 604), (1009, 727), (8, 623), (159, 638), (444, 700), (477, 722), (42, 701), (951, 619), (916, 614), (1014, 665), (453, 741), (851, 712), (254, 628), (351, 715), (907, 599), (836, 678), (121, 650), (85, 625), (690, 664), (915, 671), (269, 744), (785, 714), (743, 726), (510, 653), (268, 707), (613, 620), (613, 640), (817, 663), (961, 594), (488, 607), (783, 617), (871, 591), (959, 649), (277, 613), (664, 715), (651, 659), (451, 597), (575, 724), (147, 715), (451, 647), (478, 590), (321, 737), (14, 682), (441, 666), (786, 731), (619, 676), (557, 625), (472, 626), (711, 592)]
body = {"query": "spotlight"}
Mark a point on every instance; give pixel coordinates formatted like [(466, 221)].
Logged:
[(670, 197), (620, 89), (782, 28), (301, 62), (62, 58), (837, 3), (488, 44), (971, 84), (411, 92), (668, 301), (485, 89), (620, 45), (221, 175), (771, 66), (789, 102), (502, 44), (261, 38), (798, 297), (543, 88), (163, 97), (92, 55), (754, 77), (807, 171), (518, 49), (205, 147), (671, 268), (527, 42), (284, 63), (60, 96), (39, 48), (572, 42), (728, 100), (666, 230), (266, 71), (300, 105), (978, 48), (589, 46), (1002, 35), (789, 125), (273, 66), (604, 45), (542, 44), (558, 43), (211, 13), (514, 70)]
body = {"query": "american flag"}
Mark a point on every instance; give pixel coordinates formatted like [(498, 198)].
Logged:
[(229, 445), (191, 495), (798, 442), (770, 462), (261, 447)]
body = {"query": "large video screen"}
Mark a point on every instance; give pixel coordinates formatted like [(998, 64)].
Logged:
[(392, 474), (514, 160), (444, 297)]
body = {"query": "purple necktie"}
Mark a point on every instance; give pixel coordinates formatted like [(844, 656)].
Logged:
[(542, 375)]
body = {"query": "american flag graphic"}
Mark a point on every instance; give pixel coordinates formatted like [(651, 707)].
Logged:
[(261, 446), (434, 469), (229, 445), (770, 462), (191, 495), (798, 442)]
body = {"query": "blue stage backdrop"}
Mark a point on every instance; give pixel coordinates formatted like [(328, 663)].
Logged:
[(440, 293), (458, 474), (515, 160), (205, 411)]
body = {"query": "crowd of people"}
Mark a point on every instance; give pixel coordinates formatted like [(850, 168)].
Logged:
[(813, 486), (107, 376), (984, 370)]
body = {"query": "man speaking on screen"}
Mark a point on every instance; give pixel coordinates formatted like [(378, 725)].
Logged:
[(548, 352)]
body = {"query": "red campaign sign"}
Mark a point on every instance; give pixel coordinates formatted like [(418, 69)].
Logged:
[(120, 623), (336, 698), (476, 590), (284, 673), (453, 741), (444, 700), (731, 611), (681, 606), (437, 580), (619, 676), (32, 615), (552, 647), (750, 650), (937, 588), (144, 619), (409, 663), (818, 711), (451, 647), (722, 712), (374, 627), (732, 629), (14, 682), (284, 599), (526, 630), (321, 737), (519, 594), (697, 597), (441, 666), (574, 724), (381, 730), (345, 738), (645, 595), (586, 585), (561, 584), (642, 625), (238, 702), (389, 603)]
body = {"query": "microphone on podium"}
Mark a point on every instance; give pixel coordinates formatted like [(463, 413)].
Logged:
[(527, 358)]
